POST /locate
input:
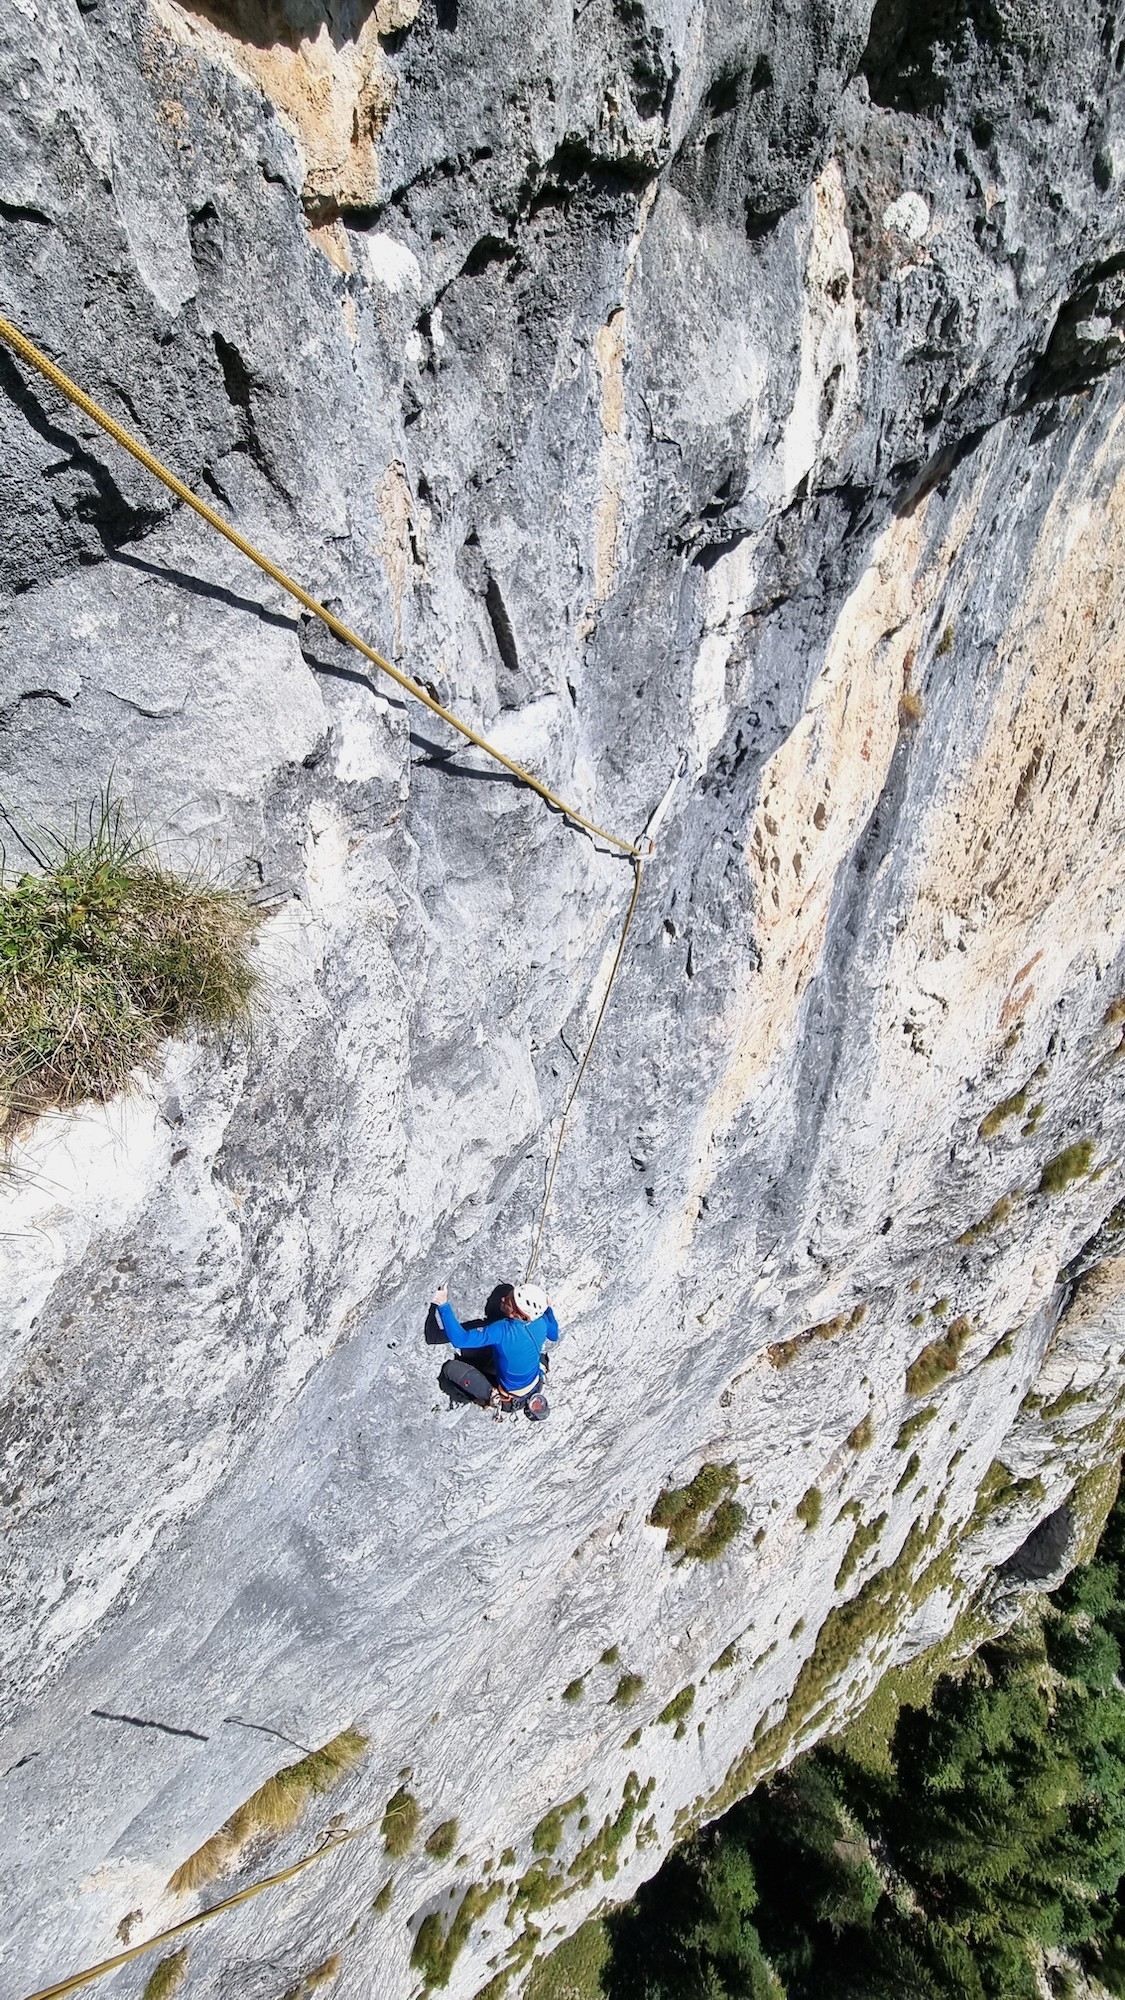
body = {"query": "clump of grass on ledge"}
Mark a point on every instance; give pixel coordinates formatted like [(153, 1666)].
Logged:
[(436, 1950), (575, 1689), (167, 1977), (700, 1518), (680, 1705), (627, 1689), (863, 1436), (782, 1352), (401, 1818), (103, 953), (809, 1507), (273, 1809), (1008, 1107), (939, 1359), (442, 1840), (1069, 1165)]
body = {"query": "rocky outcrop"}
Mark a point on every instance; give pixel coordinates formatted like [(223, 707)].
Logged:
[(658, 383)]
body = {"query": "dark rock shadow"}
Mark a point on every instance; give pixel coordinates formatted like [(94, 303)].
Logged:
[(199, 587), (266, 23)]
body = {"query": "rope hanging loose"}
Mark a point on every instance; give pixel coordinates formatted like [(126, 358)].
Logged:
[(576, 1085), (28, 352), (92, 1972)]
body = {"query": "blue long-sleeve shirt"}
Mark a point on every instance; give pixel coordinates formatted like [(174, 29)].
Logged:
[(516, 1344)]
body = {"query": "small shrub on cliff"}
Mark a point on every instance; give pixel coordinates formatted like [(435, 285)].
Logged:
[(102, 954), (574, 1690), (809, 1508), (680, 1705), (437, 1950), (401, 1817), (863, 1436)]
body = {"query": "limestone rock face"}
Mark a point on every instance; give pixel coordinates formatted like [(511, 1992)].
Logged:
[(669, 385)]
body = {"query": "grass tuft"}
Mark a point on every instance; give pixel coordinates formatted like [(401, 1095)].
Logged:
[(1069, 1165), (273, 1809), (382, 1902), (167, 1977), (401, 1818), (627, 1689), (939, 1359), (442, 1840), (102, 954), (1008, 1107), (726, 1658), (680, 1705), (548, 1831), (680, 1510), (809, 1507), (610, 1657), (863, 1436), (574, 1690), (437, 1950)]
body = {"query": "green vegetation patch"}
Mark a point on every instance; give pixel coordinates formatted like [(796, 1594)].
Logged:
[(548, 1831), (866, 1535), (863, 1436), (997, 1214), (575, 1689), (442, 1840), (1072, 1164), (680, 1705), (726, 1658), (913, 1424), (701, 1519), (1008, 1107), (909, 1471), (382, 1902), (939, 1358), (627, 1689), (167, 1976), (599, 1855), (573, 1970), (402, 1817), (610, 1657), (104, 953), (810, 1507), (436, 1950)]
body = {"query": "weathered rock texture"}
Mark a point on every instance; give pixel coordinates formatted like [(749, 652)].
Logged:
[(654, 377)]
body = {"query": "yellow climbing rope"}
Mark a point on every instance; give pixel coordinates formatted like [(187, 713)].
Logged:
[(28, 352), (86, 1978), (35, 358)]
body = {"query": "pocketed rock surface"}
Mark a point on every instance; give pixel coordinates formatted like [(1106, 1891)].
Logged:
[(676, 385)]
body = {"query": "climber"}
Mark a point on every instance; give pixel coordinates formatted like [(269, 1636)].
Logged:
[(519, 1323)]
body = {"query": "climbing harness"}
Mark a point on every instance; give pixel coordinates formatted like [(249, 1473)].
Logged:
[(329, 1844)]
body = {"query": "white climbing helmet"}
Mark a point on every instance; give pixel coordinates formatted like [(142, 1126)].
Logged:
[(531, 1302)]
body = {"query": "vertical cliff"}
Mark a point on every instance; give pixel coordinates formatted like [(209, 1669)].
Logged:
[(659, 383)]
